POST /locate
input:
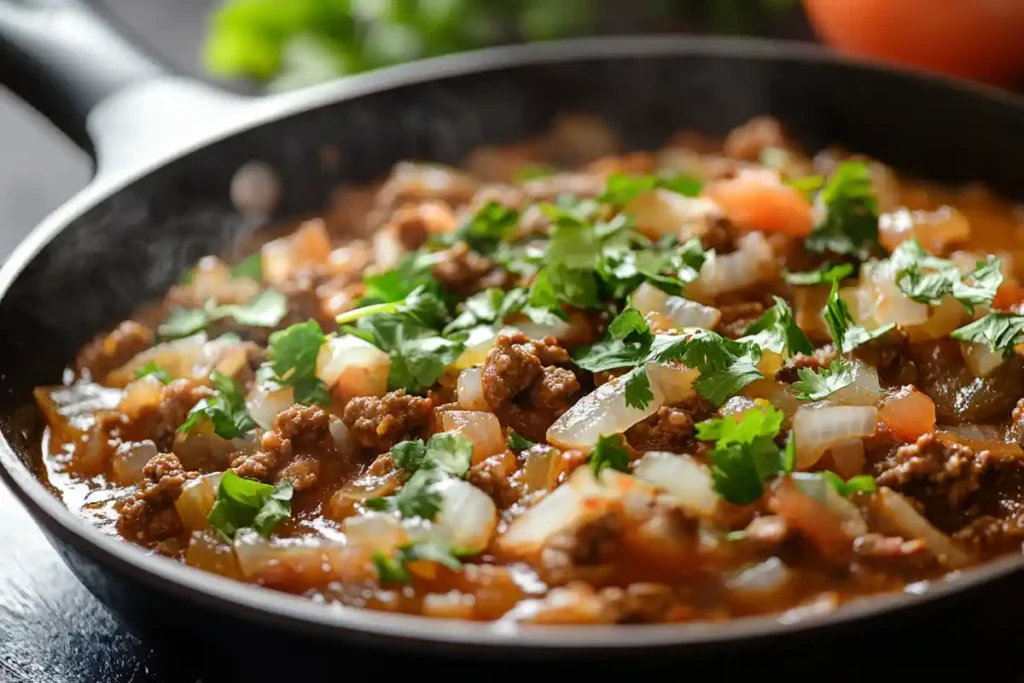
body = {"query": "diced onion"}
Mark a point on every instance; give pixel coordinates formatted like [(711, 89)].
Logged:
[(266, 401), (209, 552), (681, 476), (752, 262), (908, 413), (375, 532), (298, 563), (662, 212), (886, 302), (769, 576), (197, 499), (178, 358), (936, 230), (820, 427), (212, 280), (480, 340), (603, 411), (908, 522), (981, 359), (470, 390), (540, 471), (649, 299), (343, 440), (582, 495), (387, 247), (204, 451), (865, 389), (850, 519), (308, 246), (142, 395), (675, 381), (467, 518), (354, 366), (848, 458), (129, 460), (70, 410), (482, 428)]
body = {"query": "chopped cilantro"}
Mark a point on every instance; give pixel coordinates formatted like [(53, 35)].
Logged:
[(850, 213), (609, 453), (418, 498), (151, 368), (745, 453), (928, 279), (823, 276), (491, 225), (250, 267), (1000, 332), (420, 305), (395, 569), (446, 451), (845, 334), (668, 266), (818, 385), (494, 306), (621, 188), (266, 309), (778, 332), (414, 270), (517, 442), (225, 410), (243, 503), (292, 354), (861, 483)]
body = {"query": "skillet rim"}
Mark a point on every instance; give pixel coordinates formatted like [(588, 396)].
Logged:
[(296, 614)]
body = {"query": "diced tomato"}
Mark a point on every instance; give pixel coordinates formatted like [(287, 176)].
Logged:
[(1009, 293), (908, 413), (759, 201)]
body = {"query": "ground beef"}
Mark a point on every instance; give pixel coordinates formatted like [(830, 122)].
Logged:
[(736, 318), (888, 354), (462, 271), (586, 551), (767, 532), (1015, 431), (671, 428), (746, 142), (493, 476), (149, 517), (110, 351), (516, 362), (554, 390), (893, 554), (157, 423), (293, 450), (378, 423)]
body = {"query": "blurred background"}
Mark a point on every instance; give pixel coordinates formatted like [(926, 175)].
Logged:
[(258, 46)]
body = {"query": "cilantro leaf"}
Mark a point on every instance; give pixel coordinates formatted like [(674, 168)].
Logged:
[(745, 453), (415, 270), (820, 277), (151, 368), (845, 334), (449, 452), (725, 365), (1000, 332), (419, 354), (778, 332), (250, 267), (850, 210), (418, 498), (928, 279), (622, 188), (491, 225), (609, 453), (225, 410), (183, 322), (395, 569), (816, 386), (266, 309), (243, 503), (626, 344), (517, 443), (292, 354), (861, 483), (493, 306)]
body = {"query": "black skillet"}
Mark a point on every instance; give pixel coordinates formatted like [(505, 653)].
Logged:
[(166, 149)]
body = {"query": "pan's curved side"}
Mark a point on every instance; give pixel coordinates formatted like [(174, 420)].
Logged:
[(127, 241)]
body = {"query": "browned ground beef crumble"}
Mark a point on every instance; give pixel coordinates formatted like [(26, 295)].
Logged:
[(552, 524)]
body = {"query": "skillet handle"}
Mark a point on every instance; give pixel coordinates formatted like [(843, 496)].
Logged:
[(116, 101), (63, 59)]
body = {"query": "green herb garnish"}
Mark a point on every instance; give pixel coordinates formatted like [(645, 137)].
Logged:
[(1000, 332), (292, 354), (517, 442), (818, 385), (266, 309), (151, 368), (225, 410), (621, 188), (778, 332), (823, 276), (243, 503), (446, 451), (395, 569), (845, 334), (418, 498), (609, 453), (745, 454), (928, 279), (850, 223)]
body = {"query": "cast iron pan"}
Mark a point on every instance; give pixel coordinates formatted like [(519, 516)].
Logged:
[(166, 149)]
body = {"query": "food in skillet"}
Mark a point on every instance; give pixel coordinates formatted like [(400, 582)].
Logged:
[(707, 382)]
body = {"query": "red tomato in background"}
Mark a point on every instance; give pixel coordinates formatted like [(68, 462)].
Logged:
[(976, 39)]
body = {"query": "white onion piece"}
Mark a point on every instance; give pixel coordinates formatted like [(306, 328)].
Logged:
[(308, 246), (266, 402), (467, 518), (142, 395), (887, 302), (819, 427), (179, 358), (675, 381), (663, 212), (315, 560), (197, 499), (470, 390), (480, 340), (582, 495), (848, 458), (375, 532), (815, 486), (766, 577), (752, 262), (981, 359), (343, 440), (603, 411), (865, 390), (387, 247), (212, 280), (533, 330), (356, 366), (681, 476), (909, 523), (129, 460), (649, 299), (481, 428)]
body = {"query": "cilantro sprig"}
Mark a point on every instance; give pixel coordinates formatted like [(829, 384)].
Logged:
[(609, 453), (151, 368), (849, 209), (517, 442), (395, 569), (1000, 332), (429, 463), (778, 332), (846, 335), (291, 357), (823, 276), (745, 453), (622, 188), (266, 309), (225, 410), (817, 385), (929, 279), (244, 503)]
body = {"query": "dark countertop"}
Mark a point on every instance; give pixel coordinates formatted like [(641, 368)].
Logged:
[(53, 631)]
